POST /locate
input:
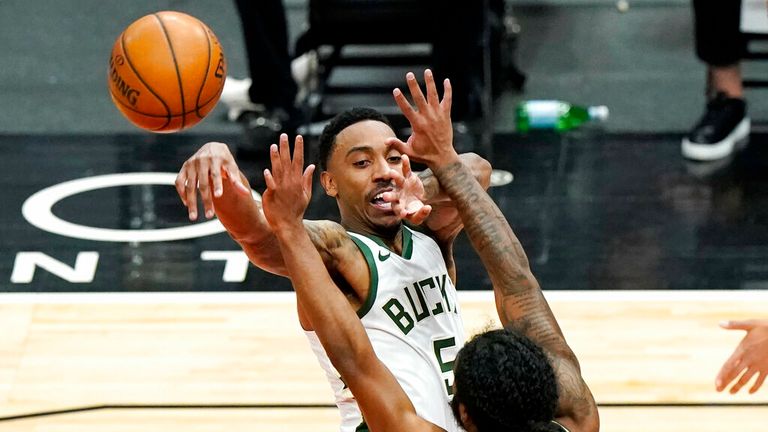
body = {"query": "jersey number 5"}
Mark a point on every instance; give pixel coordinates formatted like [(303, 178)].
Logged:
[(446, 364)]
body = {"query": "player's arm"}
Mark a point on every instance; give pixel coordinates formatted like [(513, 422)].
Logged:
[(225, 192), (519, 300), (444, 220), (383, 402)]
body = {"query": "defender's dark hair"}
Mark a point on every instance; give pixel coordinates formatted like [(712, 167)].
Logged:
[(339, 123), (506, 383)]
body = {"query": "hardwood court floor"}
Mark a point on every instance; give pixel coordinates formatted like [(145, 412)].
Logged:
[(279, 420), (70, 351)]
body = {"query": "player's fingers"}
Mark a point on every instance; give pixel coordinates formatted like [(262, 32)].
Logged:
[(269, 180), (285, 153), (399, 145), (203, 184), (390, 197), (406, 166), (218, 187), (756, 386), (421, 214), (180, 183), (445, 104), (416, 94), (729, 371), (234, 177), (432, 98), (738, 324), (397, 178), (274, 159), (745, 377), (404, 105), (307, 179), (298, 154), (190, 190)]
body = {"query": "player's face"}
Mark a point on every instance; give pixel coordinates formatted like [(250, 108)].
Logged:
[(359, 172)]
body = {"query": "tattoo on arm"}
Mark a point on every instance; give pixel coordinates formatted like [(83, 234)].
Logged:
[(520, 302), (432, 190), (478, 167), (327, 237), (575, 399), (491, 235)]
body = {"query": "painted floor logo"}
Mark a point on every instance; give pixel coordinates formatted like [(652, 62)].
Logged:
[(37, 210)]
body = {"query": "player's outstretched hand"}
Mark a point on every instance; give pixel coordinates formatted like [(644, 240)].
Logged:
[(750, 357), (408, 197), (289, 185), (205, 172), (432, 139)]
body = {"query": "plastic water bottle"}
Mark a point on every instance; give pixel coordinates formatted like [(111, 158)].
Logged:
[(556, 115)]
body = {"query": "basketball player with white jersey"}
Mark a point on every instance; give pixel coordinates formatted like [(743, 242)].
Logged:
[(398, 279), (522, 378)]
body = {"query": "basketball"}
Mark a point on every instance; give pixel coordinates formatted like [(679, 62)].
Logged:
[(166, 71)]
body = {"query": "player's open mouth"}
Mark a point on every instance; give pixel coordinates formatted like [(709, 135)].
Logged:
[(378, 201)]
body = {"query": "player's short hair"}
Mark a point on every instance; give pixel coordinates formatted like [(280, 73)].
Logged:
[(506, 383), (340, 122)]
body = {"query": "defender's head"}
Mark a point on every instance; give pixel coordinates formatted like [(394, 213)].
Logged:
[(355, 162), (504, 382)]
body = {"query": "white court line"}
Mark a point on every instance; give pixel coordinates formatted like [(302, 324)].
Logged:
[(290, 297)]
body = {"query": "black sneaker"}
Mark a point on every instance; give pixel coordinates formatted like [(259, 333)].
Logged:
[(723, 125), (263, 128)]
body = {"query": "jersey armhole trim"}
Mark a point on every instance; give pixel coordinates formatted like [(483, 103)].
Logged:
[(362, 427), (374, 274), (407, 243)]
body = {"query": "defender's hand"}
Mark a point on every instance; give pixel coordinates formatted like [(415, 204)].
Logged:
[(749, 358), (288, 189), (205, 171), (432, 139), (408, 197)]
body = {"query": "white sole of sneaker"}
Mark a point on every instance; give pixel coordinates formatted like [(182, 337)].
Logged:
[(718, 150)]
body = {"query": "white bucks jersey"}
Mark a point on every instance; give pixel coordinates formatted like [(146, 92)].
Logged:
[(412, 319)]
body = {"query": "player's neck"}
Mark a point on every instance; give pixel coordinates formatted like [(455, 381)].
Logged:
[(392, 237)]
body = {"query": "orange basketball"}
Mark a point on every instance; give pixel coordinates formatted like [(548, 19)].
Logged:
[(166, 71)]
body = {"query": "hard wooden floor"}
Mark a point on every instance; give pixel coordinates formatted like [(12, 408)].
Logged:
[(246, 351), (326, 419)]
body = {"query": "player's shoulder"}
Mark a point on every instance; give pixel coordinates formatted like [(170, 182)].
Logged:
[(326, 235)]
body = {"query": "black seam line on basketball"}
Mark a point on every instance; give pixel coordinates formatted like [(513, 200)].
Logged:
[(213, 98), (175, 65), (163, 406), (128, 107), (138, 75), (153, 115), (205, 76)]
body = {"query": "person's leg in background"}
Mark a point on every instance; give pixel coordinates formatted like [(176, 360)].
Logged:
[(268, 97), (720, 45)]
